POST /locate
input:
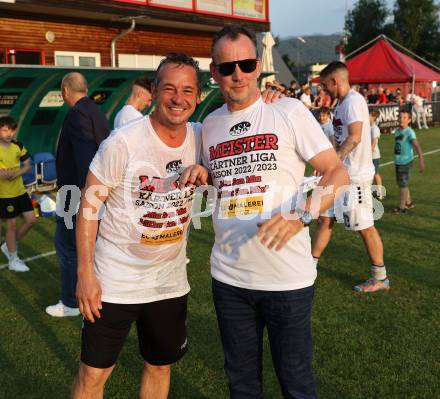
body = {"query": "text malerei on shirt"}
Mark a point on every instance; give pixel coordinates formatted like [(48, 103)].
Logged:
[(257, 160)]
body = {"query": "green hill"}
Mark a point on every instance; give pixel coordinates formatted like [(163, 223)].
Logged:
[(316, 49)]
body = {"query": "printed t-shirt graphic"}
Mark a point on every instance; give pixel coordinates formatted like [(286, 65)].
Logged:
[(141, 241), (256, 157)]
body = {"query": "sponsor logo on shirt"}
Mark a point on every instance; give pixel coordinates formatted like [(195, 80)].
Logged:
[(242, 206), (174, 166), (160, 237), (239, 129)]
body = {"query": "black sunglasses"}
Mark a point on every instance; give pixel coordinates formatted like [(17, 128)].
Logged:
[(228, 68)]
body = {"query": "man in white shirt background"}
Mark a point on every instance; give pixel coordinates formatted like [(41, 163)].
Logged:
[(353, 139), (306, 97), (139, 100), (418, 104)]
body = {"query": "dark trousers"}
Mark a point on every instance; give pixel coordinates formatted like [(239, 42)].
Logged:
[(65, 245), (242, 315)]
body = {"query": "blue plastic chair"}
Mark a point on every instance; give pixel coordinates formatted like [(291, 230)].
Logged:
[(46, 167), (49, 172), (30, 178)]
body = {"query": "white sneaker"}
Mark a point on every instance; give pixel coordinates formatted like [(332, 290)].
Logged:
[(5, 250), (17, 265), (188, 260), (60, 310)]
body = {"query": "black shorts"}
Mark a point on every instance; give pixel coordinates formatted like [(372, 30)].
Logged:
[(12, 207), (402, 174), (161, 329)]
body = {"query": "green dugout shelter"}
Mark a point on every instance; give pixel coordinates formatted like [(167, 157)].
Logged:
[(32, 96)]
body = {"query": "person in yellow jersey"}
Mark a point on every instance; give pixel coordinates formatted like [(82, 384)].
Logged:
[(14, 200)]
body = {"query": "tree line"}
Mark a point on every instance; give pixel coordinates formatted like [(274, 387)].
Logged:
[(414, 24)]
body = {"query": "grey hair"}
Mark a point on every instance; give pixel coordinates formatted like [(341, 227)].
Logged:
[(75, 82)]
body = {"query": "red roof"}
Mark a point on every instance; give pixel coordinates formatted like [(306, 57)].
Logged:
[(382, 63)]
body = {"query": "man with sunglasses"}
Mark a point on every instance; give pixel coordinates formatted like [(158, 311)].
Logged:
[(262, 268)]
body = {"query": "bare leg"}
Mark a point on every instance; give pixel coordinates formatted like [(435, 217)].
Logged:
[(90, 381), (29, 221), (155, 382), (322, 235), (404, 196), (11, 233), (373, 245), (408, 197)]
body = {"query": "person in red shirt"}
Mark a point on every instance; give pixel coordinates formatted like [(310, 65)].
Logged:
[(322, 100), (382, 96)]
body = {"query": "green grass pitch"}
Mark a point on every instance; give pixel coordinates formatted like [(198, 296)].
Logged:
[(382, 345)]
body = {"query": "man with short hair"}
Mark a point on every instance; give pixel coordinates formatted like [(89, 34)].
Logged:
[(263, 272), (139, 100), (136, 270), (353, 139), (84, 128)]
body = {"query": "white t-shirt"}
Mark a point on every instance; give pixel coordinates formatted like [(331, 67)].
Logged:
[(306, 99), (256, 157), (140, 253), (375, 134), (418, 102), (359, 162), (328, 130), (126, 114)]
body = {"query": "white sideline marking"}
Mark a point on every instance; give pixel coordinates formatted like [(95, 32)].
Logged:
[(425, 153), (45, 255)]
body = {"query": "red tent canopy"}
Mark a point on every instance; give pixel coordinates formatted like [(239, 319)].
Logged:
[(382, 63)]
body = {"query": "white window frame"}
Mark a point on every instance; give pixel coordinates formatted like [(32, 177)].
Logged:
[(144, 61), (76, 55)]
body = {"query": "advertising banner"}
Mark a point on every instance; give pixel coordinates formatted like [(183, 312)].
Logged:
[(8, 100), (389, 114), (255, 9), (214, 6), (185, 4)]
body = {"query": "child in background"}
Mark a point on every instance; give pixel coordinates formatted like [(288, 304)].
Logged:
[(326, 124), (375, 135), (405, 142), (14, 199)]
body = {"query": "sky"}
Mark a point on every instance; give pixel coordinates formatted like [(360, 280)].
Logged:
[(308, 17)]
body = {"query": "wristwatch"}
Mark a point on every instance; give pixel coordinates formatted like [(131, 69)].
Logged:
[(305, 218)]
